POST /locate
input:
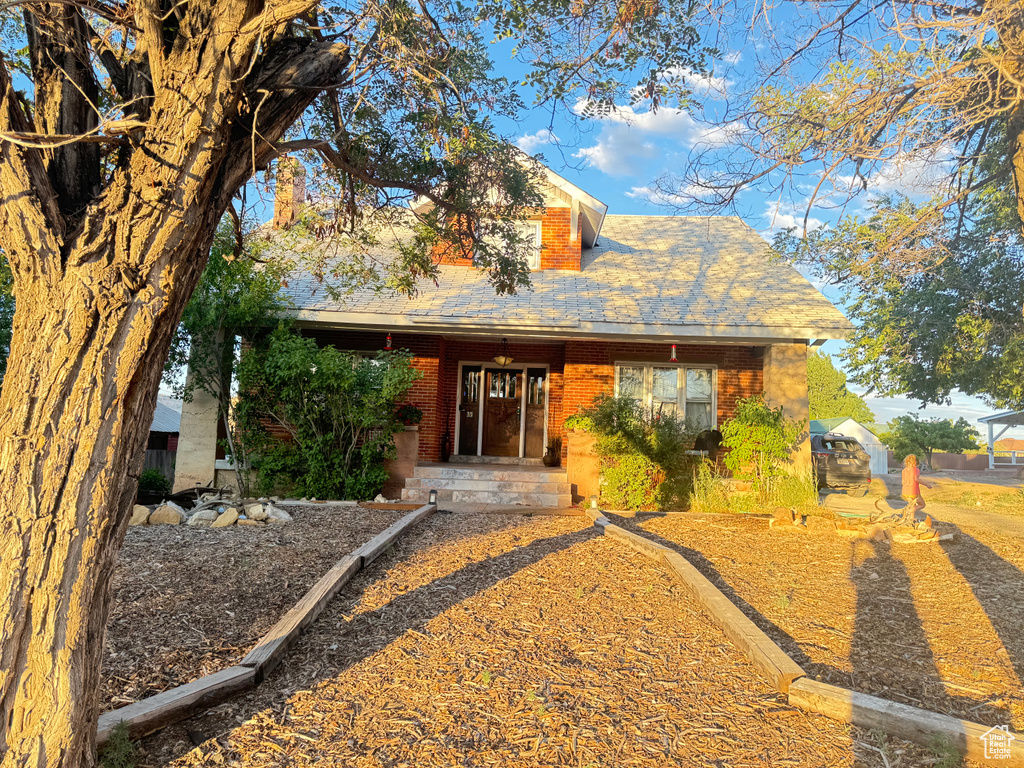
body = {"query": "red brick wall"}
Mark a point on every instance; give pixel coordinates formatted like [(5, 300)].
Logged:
[(558, 250), (579, 370), (590, 370)]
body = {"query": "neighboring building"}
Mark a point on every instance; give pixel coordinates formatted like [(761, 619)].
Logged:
[(875, 448), (689, 314), (166, 425)]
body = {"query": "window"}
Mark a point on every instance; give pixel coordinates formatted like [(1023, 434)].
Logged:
[(530, 231), (684, 391)]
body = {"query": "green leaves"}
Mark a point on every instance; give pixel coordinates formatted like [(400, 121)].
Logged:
[(827, 394), (339, 410), (759, 440), (912, 434)]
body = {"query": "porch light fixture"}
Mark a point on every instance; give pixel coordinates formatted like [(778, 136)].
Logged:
[(387, 344), (673, 358), (432, 496), (504, 356)]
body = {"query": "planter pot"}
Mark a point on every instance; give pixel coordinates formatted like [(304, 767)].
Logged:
[(583, 465), (551, 459)]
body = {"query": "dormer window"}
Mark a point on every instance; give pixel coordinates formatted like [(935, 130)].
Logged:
[(530, 231)]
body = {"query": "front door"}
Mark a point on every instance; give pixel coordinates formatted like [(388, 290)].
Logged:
[(502, 412), (536, 399), (469, 409)]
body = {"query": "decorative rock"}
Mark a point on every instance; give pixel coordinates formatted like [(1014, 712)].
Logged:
[(249, 521), (277, 516), (203, 518), (227, 517), (167, 514), (784, 513), (255, 512), (380, 499), (275, 498), (140, 515)]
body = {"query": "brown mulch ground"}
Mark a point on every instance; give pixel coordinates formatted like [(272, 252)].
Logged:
[(934, 626), (491, 640), (191, 601)]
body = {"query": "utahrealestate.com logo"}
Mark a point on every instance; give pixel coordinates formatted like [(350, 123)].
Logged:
[(998, 742)]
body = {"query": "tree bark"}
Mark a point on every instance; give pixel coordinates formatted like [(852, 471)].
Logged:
[(99, 292)]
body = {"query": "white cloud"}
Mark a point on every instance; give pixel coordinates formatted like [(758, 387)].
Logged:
[(628, 137), (698, 82), (911, 174), (656, 196), (531, 142), (733, 57), (788, 215)]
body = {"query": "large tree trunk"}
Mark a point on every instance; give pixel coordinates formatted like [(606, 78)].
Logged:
[(99, 292), (79, 396)]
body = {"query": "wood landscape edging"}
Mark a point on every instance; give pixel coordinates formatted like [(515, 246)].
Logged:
[(921, 726), (155, 712)]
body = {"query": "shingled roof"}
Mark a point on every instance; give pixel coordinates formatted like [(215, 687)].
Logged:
[(653, 276)]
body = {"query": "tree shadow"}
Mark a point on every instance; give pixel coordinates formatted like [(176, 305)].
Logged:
[(997, 585), (310, 661), (706, 567), (890, 655)]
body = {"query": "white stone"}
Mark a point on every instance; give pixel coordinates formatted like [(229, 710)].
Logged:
[(380, 499), (276, 516), (140, 515), (255, 512), (167, 514), (203, 518)]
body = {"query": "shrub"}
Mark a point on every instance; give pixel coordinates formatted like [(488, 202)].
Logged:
[(759, 440), (340, 411), (119, 751), (644, 464), (154, 481)]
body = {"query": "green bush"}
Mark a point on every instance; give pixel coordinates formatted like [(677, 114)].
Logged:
[(154, 481), (119, 751), (644, 464), (759, 440), (339, 409), (710, 494)]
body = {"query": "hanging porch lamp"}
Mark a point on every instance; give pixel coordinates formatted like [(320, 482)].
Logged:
[(673, 358), (504, 356), (387, 344)]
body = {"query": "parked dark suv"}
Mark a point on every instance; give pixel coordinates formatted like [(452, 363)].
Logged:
[(841, 462)]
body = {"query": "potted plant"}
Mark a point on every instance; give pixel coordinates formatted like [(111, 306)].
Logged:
[(553, 457), (409, 415)]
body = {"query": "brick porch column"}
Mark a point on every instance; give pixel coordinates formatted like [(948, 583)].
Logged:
[(785, 384)]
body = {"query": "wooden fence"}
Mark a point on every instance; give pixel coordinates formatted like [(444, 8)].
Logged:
[(162, 460)]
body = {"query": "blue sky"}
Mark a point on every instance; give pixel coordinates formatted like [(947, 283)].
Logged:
[(619, 158)]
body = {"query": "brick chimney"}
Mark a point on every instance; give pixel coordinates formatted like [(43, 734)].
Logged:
[(290, 192)]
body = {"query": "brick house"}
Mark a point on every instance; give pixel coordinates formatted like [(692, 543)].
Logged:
[(688, 314)]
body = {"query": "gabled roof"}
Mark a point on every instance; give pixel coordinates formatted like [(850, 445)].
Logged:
[(167, 416), (669, 277)]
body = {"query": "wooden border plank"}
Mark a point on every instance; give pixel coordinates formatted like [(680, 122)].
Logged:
[(774, 663), (901, 720), (155, 712), (270, 649), (376, 546), (635, 541)]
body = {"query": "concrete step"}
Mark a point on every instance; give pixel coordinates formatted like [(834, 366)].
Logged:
[(500, 474), (459, 459), (510, 486), (488, 497)]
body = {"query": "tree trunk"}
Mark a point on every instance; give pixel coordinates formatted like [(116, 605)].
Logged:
[(99, 293), (78, 399)]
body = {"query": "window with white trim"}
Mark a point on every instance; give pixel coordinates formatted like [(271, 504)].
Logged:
[(686, 391), (530, 231)]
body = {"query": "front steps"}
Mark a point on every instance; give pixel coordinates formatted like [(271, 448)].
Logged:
[(490, 483)]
